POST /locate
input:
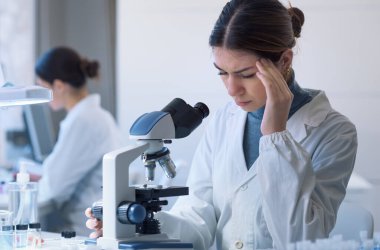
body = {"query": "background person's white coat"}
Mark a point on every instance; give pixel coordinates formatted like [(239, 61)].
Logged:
[(72, 173)]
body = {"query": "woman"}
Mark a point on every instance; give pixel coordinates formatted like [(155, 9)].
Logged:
[(273, 165), (72, 173)]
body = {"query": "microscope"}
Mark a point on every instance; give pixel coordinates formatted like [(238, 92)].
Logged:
[(127, 211)]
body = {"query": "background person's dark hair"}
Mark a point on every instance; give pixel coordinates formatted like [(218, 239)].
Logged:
[(263, 27), (66, 65)]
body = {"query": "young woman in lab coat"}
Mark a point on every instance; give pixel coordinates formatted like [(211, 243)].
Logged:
[(274, 163), (72, 173)]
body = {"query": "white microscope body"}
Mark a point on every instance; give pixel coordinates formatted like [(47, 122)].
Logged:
[(127, 211)]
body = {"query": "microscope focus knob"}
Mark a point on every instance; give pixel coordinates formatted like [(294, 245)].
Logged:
[(131, 213), (97, 210)]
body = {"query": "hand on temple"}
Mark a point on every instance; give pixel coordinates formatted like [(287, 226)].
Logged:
[(279, 97), (94, 224)]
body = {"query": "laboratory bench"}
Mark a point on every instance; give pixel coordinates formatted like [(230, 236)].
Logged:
[(358, 191), (54, 241)]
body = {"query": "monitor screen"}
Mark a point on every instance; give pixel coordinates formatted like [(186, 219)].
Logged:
[(40, 129)]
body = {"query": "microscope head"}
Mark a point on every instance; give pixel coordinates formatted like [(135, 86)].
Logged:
[(176, 120)]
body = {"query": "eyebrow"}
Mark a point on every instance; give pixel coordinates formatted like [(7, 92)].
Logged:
[(236, 72)]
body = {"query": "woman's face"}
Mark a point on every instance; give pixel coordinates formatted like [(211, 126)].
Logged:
[(57, 102), (238, 72)]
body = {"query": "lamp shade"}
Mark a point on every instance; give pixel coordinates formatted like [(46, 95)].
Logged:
[(11, 95)]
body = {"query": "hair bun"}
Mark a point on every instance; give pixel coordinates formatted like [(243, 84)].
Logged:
[(298, 20), (90, 68)]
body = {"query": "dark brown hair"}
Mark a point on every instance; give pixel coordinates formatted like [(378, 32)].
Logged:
[(66, 65), (263, 27)]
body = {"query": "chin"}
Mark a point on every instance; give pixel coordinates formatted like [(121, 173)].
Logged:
[(246, 109), (250, 109)]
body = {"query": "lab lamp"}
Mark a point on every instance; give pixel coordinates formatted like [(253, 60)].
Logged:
[(11, 95)]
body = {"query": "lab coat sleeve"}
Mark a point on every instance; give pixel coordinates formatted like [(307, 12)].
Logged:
[(302, 192), (192, 218), (72, 157)]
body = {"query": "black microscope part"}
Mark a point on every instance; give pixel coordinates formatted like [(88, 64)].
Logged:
[(68, 234), (185, 117), (164, 151)]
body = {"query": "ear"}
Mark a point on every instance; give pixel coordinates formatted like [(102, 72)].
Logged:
[(285, 61), (58, 86)]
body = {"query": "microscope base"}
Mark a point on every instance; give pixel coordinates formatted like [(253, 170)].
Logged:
[(151, 242)]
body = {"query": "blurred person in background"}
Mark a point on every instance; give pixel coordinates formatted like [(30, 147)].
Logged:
[(72, 173)]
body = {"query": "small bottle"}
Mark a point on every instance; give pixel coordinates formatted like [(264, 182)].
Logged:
[(34, 235), (363, 238), (368, 244), (5, 218), (291, 246), (64, 238), (22, 200), (376, 241), (7, 237), (68, 238), (21, 236)]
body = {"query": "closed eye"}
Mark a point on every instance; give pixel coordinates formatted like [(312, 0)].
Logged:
[(222, 73), (248, 76)]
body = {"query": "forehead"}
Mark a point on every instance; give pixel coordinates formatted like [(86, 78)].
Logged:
[(228, 59)]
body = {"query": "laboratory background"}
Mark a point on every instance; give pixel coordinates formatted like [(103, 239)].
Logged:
[(152, 51)]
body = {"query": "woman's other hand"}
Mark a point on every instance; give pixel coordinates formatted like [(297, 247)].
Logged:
[(94, 224)]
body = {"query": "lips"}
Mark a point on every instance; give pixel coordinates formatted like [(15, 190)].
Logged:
[(242, 103)]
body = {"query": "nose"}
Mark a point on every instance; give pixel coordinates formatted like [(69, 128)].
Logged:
[(234, 88)]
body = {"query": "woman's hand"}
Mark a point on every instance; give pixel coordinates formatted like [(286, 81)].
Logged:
[(279, 97), (94, 224)]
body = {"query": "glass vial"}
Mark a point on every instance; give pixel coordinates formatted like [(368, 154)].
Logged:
[(21, 236), (6, 237), (34, 235)]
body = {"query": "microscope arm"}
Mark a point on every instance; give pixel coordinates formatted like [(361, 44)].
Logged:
[(116, 189)]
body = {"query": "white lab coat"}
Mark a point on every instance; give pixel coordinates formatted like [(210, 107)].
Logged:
[(72, 173), (292, 192)]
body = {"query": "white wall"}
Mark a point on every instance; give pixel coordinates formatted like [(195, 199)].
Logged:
[(16, 59), (339, 52), (163, 53)]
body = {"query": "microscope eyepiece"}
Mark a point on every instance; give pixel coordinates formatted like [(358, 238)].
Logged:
[(185, 117), (202, 109)]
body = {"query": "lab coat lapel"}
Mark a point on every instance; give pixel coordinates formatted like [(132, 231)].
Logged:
[(243, 175), (311, 114), (296, 128), (237, 143)]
